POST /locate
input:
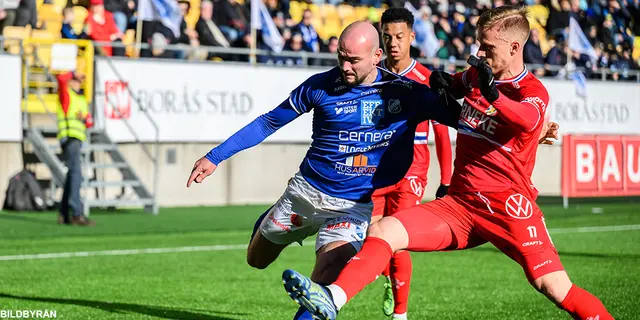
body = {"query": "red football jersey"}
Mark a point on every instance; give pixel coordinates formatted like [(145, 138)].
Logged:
[(493, 154), (420, 166)]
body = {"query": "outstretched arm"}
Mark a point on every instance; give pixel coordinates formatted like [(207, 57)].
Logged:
[(247, 137), (253, 133)]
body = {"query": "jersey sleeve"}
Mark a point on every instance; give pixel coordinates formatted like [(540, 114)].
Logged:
[(462, 83), (443, 151), (527, 113), (254, 133), (307, 95), (445, 110)]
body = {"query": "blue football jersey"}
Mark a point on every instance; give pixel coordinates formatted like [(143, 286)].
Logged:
[(363, 136)]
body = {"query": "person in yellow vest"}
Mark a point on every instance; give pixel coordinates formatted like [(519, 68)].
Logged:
[(73, 120)]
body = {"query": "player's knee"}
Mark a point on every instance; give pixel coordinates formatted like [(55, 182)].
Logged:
[(256, 261), (554, 286), (376, 230), (390, 230)]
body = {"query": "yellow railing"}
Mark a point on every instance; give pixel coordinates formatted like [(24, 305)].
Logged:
[(40, 57)]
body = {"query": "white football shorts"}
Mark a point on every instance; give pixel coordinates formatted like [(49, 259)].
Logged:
[(303, 211)]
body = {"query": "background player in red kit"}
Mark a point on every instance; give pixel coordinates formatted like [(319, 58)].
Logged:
[(397, 36), (491, 197)]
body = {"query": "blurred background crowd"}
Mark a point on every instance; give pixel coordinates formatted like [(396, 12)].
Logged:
[(445, 29)]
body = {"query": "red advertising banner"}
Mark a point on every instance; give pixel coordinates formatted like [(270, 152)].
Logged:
[(600, 166)]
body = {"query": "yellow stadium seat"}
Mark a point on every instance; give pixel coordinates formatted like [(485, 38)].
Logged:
[(129, 40), (53, 27), (294, 5), (375, 14), (60, 4), (331, 28), (314, 8), (362, 13), (636, 48), (13, 36), (328, 11), (49, 12), (539, 13), (79, 16), (345, 11), (348, 20)]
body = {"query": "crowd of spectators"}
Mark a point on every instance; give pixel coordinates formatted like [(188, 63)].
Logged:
[(445, 29)]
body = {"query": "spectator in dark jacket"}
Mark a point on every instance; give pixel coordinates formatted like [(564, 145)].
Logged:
[(209, 34), (533, 53), (557, 56), (558, 16)]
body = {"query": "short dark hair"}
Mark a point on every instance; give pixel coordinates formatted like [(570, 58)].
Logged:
[(395, 15), (185, 2)]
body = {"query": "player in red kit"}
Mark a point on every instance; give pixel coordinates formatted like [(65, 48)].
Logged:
[(397, 36), (491, 198)]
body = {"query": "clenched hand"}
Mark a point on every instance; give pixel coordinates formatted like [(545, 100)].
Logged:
[(549, 131)]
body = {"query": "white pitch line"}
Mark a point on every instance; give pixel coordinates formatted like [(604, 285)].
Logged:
[(59, 255), (628, 227), (121, 252)]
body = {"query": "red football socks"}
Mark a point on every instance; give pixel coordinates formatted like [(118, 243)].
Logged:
[(582, 305), (363, 268), (401, 279)]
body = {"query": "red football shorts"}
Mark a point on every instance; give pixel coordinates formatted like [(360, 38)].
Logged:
[(509, 220), (403, 195)]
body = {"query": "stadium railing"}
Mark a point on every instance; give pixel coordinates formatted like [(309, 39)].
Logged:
[(307, 59), (39, 87)]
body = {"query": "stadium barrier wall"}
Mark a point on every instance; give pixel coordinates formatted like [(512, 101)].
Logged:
[(200, 104), (601, 166), (10, 120)]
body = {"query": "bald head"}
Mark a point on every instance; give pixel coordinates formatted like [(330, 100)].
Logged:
[(359, 53), (359, 34)]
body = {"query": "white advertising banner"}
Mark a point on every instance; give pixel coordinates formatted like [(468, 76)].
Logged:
[(206, 102), (10, 91), (195, 102), (609, 107)]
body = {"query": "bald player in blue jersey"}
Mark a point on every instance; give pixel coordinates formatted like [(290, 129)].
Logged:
[(364, 120)]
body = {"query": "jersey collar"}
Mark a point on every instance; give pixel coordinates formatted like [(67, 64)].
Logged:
[(383, 65), (516, 78)]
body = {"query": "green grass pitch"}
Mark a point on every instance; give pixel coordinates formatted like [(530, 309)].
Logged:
[(480, 283)]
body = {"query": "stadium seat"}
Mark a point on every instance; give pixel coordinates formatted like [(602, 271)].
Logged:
[(295, 10), (314, 8), (328, 11), (194, 14), (361, 13), (331, 28), (48, 12), (345, 11), (636, 48), (128, 40), (539, 13), (60, 4), (80, 15), (14, 35), (53, 27)]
